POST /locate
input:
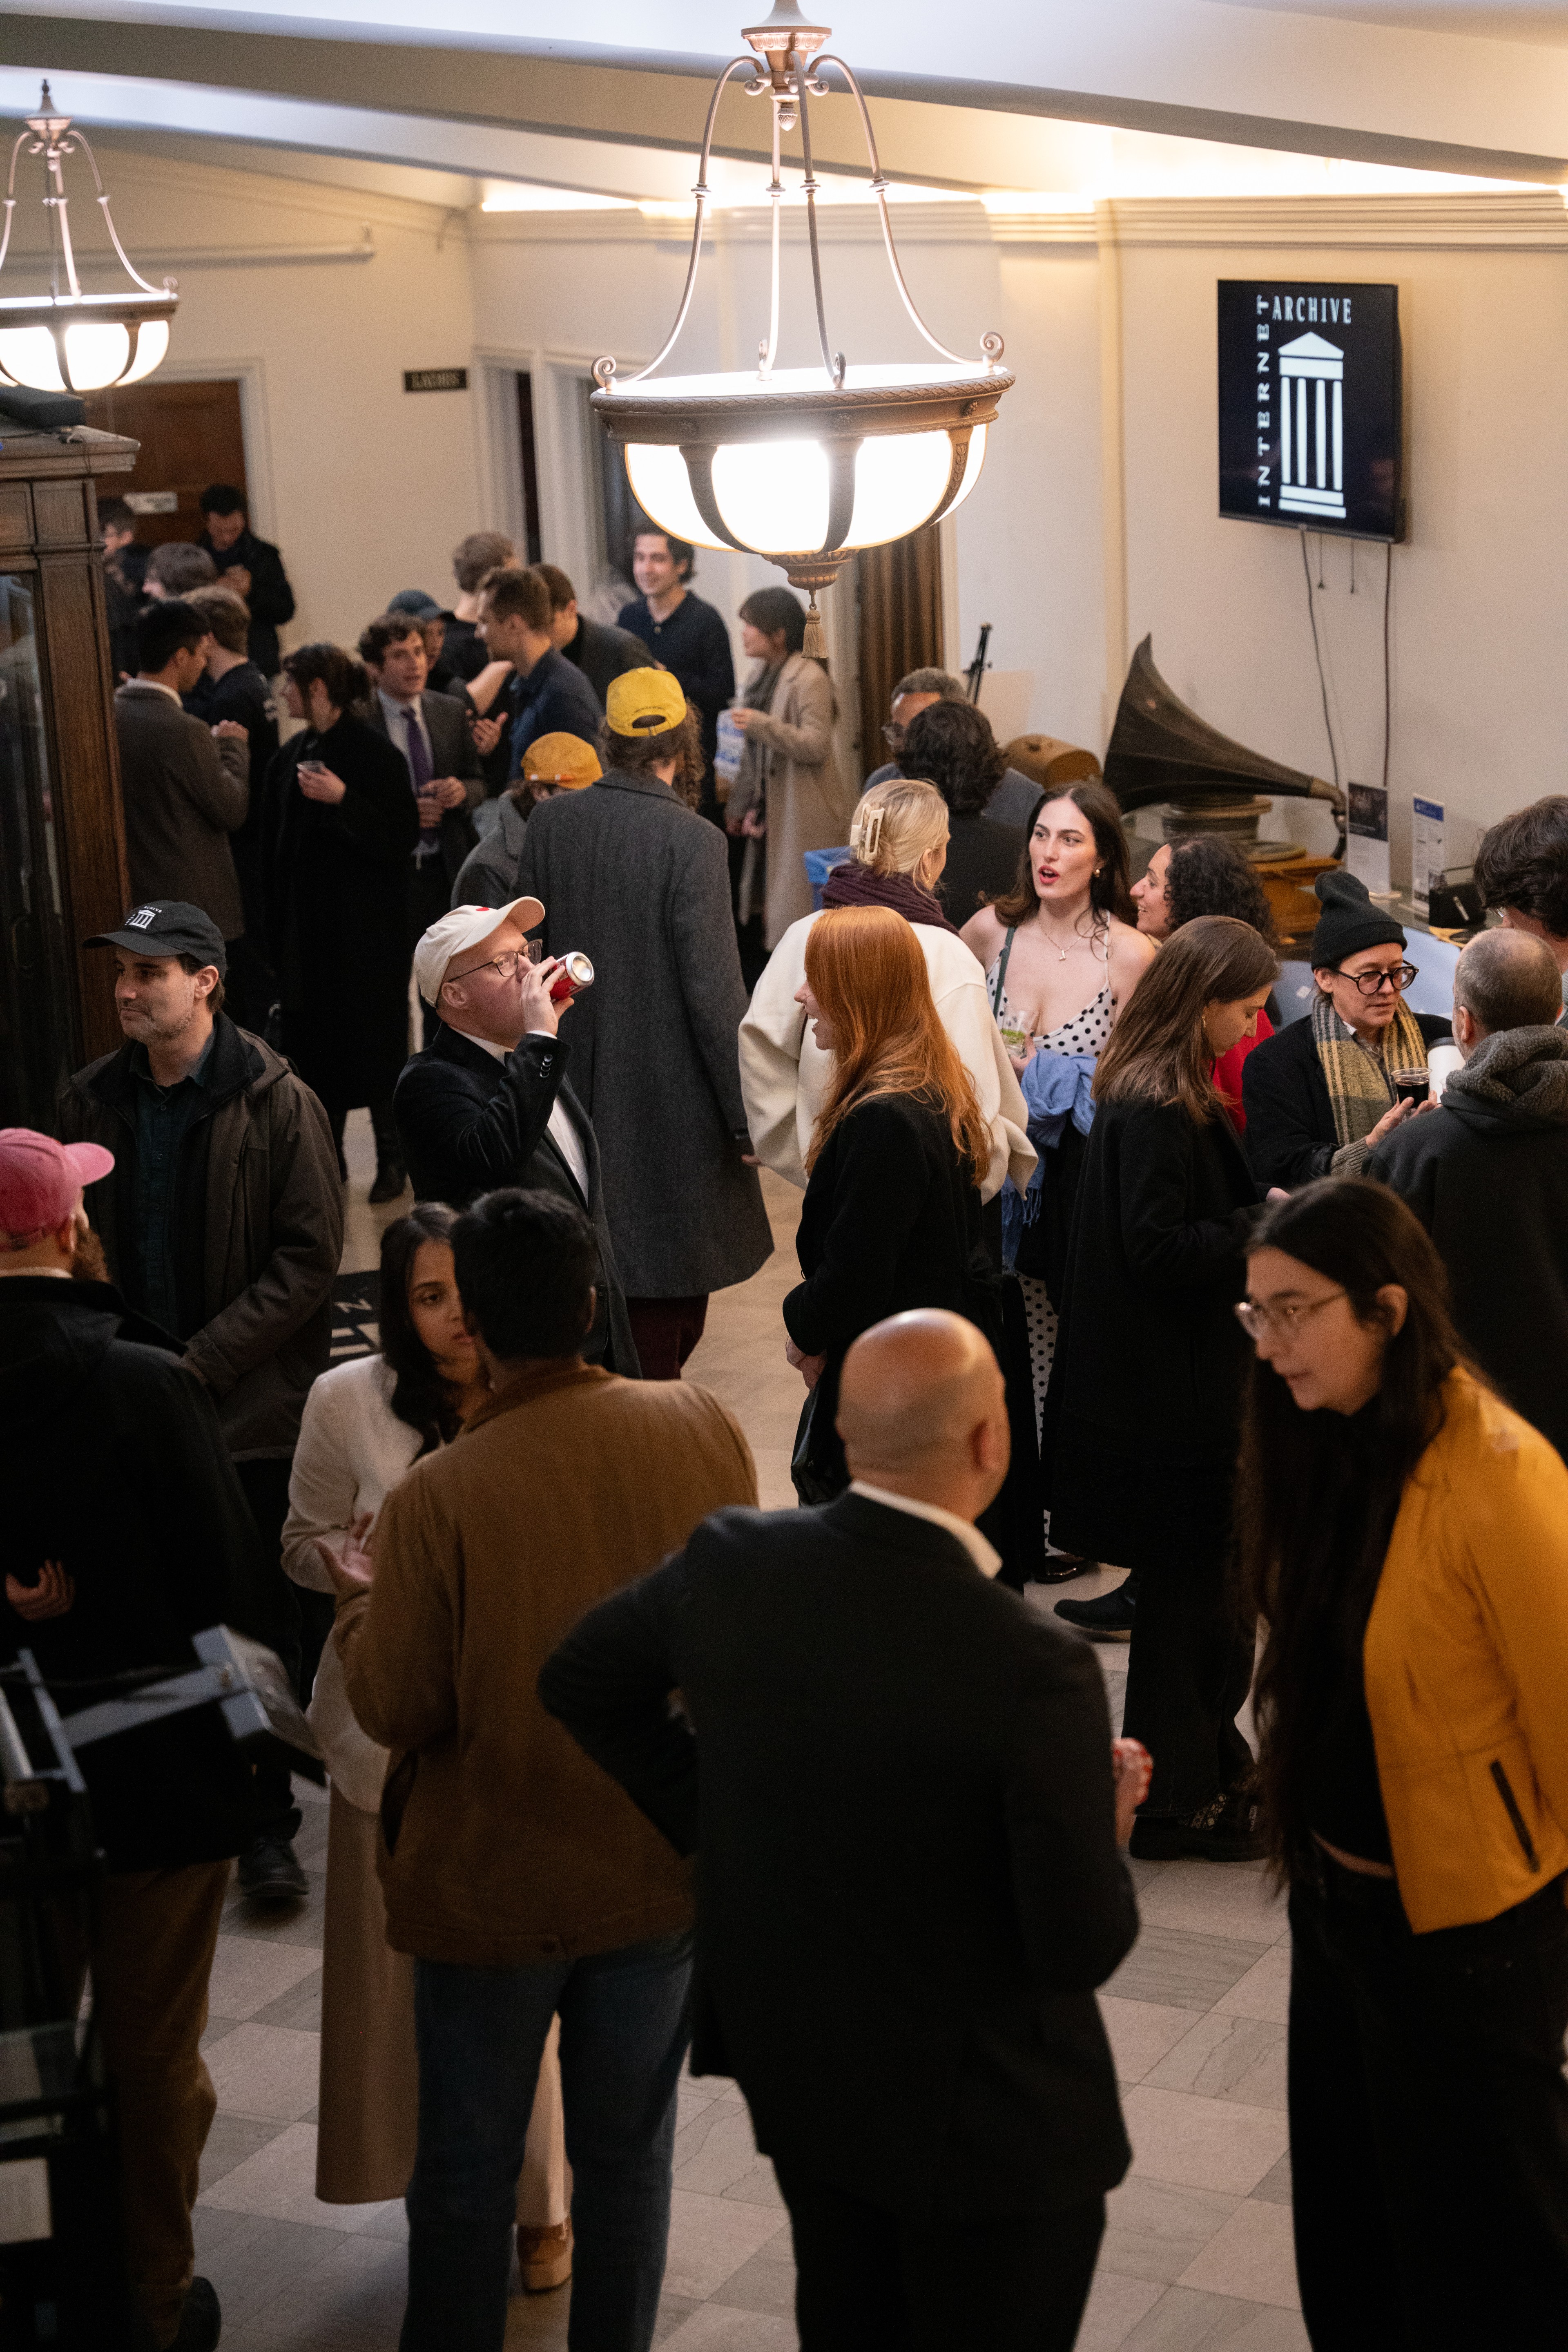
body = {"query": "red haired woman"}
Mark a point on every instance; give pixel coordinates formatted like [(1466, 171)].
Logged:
[(892, 1217)]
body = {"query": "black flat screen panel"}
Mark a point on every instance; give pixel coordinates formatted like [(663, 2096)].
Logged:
[(1309, 407)]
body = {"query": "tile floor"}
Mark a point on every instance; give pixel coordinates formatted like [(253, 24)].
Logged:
[(1197, 2250)]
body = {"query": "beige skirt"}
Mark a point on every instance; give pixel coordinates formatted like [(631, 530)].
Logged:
[(369, 2078)]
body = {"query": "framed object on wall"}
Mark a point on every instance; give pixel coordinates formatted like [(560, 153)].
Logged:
[(1310, 395)]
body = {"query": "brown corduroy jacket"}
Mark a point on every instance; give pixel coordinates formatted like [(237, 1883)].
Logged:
[(501, 1842)]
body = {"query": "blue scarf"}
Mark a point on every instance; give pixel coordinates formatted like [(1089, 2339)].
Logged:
[(1056, 1089)]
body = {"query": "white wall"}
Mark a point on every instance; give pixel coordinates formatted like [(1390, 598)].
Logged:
[(366, 488)]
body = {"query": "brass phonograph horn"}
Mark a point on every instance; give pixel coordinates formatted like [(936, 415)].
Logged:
[(1161, 751)]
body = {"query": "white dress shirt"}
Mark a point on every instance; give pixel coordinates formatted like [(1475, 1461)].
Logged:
[(563, 1134), (984, 1558)]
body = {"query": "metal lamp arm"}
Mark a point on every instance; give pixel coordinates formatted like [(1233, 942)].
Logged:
[(832, 360), (604, 369), (126, 263)]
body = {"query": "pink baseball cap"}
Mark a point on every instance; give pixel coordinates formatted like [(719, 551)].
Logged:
[(40, 1180)]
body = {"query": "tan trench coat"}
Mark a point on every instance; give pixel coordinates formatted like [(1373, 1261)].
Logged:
[(809, 804)]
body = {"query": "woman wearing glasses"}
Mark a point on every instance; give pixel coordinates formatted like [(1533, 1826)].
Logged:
[(1143, 1408), (1411, 1704), (1322, 1096)]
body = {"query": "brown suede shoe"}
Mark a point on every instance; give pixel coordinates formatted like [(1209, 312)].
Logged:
[(544, 2257)]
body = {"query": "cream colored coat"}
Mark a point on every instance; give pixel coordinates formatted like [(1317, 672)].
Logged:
[(352, 1451), (784, 1072), (809, 804)]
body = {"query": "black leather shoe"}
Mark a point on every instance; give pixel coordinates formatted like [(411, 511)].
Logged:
[(1226, 1830), (391, 1182), (201, 2321), (268, 1873), (1108, 1618)]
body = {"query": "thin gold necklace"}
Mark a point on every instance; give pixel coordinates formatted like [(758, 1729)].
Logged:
[(1079, 939)]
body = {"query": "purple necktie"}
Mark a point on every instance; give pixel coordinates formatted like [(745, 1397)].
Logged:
[(419, 769)]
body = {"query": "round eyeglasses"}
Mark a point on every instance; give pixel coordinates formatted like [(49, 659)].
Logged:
[(1256, 1319), (1398, 977)]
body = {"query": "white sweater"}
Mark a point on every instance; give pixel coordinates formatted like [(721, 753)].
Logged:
[(784, 1072), (352, 1451)]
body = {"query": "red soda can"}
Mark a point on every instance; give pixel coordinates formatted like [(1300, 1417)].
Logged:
[(576, 973)]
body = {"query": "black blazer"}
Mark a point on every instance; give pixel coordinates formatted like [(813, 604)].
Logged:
[(469, 1124), (452, 754), (899, 1797), (1291, 1133)]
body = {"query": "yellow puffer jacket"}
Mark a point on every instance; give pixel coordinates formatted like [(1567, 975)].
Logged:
[(1467, 1667)]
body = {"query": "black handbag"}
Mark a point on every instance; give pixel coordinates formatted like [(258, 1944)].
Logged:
[(816, 1467)]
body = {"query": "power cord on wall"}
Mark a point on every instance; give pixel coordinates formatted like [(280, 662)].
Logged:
[(1322, 679)]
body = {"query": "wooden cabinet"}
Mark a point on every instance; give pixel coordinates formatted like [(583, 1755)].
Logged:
[(62, 840)]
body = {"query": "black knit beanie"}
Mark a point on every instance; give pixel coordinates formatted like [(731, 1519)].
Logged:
[(1349, 920)]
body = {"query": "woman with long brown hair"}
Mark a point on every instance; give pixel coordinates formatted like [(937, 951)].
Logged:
[(1404, 1537), (1142, 1418), (892, 1216)]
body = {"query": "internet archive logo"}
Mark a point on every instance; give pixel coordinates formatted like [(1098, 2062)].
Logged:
[(1311, 428)]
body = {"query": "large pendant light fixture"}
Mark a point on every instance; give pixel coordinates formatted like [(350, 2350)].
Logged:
[(67, 341), (802, 466)]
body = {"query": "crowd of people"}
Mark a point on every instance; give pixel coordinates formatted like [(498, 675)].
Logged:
[(1102, 1260)]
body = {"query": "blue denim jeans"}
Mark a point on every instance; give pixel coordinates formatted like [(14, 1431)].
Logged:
[(624, 2024)]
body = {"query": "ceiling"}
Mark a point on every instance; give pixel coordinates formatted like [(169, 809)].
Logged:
[(1048, 95)]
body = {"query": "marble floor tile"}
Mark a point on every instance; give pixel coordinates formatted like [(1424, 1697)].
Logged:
[(1226, 2057), (279, 2182), (1202, 2142), (763, 2283), (1186, 2321), (1141, 2033), (1265, 1990), (715, 2149), (1154, 2229), (1274, 2188), (1215, 1898), (718, 2327), (710, 2238), (266, 2071), (536, 2322), (301, 2007), (1180, 1971), (231, 2140), (249, 1975), (353, 2298), (1115, 2307), (1251, 2255), (254, 2259)]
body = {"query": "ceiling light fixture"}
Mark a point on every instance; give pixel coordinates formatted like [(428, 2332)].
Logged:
[(802, 466), (67, 341)]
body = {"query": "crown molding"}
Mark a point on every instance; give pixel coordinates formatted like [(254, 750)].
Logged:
[(1528, 221)]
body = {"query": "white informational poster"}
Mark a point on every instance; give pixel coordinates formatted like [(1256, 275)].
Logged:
[(1426, 851), (1366, 839)]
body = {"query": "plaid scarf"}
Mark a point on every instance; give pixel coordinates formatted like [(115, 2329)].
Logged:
[(1362, 1086)]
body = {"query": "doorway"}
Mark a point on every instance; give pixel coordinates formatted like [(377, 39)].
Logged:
[(191, 435), (900, 626)]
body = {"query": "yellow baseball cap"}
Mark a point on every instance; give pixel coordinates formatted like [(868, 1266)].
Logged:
[(562, 760), (645, 702)]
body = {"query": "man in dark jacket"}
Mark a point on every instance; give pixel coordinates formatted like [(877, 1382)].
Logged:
[(222, 1222), (632, 877), (126, 1532), (185, 783), (1327, 1091), (687, 634), (486, 1104), (902, 1792), (252, 565), (598, 652), (1486, 1173), (233, 689), (547, 695)]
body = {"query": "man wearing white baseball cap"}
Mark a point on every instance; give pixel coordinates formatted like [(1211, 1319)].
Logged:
[(126, 1532), (486, 1103)]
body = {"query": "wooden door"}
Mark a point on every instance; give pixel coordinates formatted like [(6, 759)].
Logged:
[(900, 592), (190, 436)]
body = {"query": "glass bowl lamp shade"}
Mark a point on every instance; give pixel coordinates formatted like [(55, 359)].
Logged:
[(801, 466), (65, 340)]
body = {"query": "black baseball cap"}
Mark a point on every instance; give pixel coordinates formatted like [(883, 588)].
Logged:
[(168, 927)]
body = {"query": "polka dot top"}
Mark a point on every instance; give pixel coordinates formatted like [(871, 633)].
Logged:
[(1086, 1032)]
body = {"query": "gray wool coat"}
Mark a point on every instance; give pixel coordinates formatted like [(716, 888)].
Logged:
[(641, 884)]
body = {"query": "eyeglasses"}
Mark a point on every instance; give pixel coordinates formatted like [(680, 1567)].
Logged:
[(1399, 976), (1256, 1319), (507, 965)]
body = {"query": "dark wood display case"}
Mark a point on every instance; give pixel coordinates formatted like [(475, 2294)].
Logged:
[(62, 838)]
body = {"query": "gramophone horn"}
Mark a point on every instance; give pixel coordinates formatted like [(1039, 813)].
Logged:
[(1161, 751)]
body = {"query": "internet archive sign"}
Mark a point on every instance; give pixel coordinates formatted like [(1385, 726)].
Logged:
[(1309, 407)]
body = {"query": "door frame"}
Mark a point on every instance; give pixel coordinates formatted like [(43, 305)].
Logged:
[(255, 431)]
